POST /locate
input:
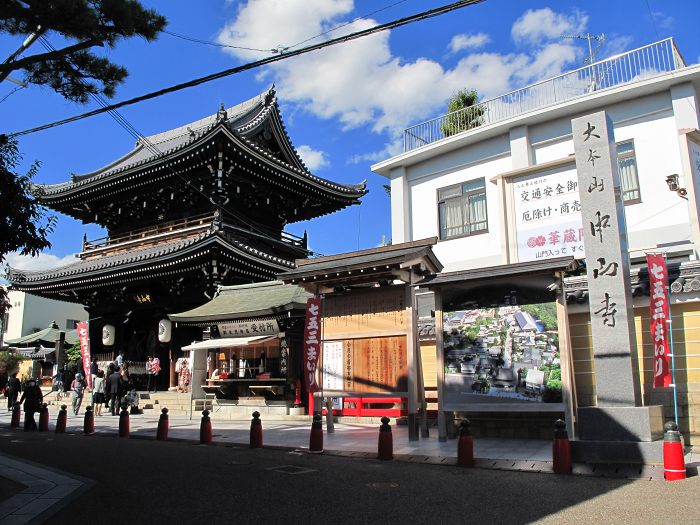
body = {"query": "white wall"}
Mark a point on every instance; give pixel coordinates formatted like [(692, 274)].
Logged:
[(662, 216), (31, 313)]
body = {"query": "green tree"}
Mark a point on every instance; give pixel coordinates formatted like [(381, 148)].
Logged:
[(545, 312), (463, 112), (25, 225), (73, 353), (9, 362), (74, 70)]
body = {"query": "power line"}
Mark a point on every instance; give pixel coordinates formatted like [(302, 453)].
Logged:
[(280, 48), (252, 65), (216, 44), (335, 28)]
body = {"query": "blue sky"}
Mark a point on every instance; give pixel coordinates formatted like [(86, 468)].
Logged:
[(344, 107)]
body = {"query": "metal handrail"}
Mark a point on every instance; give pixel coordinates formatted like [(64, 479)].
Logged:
[(632, 66)]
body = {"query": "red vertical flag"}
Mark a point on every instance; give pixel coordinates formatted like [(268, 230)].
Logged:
[(84, 338), (312, 342), (660, 314)]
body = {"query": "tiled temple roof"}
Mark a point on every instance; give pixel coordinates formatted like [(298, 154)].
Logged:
[(242, 120)]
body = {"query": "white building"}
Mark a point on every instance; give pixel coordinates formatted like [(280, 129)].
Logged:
[(482, 192), (31, 313)]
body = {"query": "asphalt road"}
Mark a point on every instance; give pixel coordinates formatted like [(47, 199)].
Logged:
[(147, 482)]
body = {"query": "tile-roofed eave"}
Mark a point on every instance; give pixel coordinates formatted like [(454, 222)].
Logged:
[(393, 255), (558, 264), (191, 132), (141, 258), (247, 301), (348, 191)]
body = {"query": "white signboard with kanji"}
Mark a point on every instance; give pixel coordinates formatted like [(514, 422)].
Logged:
[(332, 366), (548, 215)]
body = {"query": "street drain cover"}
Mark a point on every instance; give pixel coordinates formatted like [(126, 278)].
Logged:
[(291, 469), (382, 485)]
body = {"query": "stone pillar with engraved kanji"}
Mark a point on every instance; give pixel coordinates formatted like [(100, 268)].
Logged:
[(618, 415)]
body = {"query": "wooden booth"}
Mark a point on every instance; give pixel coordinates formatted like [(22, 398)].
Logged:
[(368, 335), (252, 354)]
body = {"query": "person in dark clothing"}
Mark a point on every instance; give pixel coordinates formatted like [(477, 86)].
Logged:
[(32, 398), (12, 390), (114, 382)]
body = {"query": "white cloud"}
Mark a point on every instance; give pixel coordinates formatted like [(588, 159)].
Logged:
[(537, 25), (463, 41), (663, 21), (390, 149), (314, 159), (362, 82), (43, 261)]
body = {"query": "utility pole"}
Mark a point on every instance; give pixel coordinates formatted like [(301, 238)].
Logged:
[(591, 52)]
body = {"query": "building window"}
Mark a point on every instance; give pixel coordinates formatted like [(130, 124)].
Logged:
[(71, 324), (462, 209), (629, 181)]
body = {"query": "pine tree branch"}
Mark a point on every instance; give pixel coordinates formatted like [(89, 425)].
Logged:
[(51, 55)]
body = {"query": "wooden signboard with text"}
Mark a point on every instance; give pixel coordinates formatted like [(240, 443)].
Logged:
[(375, 365), (372, 312)]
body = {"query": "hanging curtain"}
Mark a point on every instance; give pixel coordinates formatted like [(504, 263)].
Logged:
[(477, 212), (452, 218)]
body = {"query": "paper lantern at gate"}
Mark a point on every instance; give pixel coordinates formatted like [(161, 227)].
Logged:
[(108, 331), (165, 330)]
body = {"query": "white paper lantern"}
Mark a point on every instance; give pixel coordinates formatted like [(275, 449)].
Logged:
[(108, 332), (165, 330)]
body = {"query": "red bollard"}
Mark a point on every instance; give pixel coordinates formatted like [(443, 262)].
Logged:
[(316, 437), (124, 422), (386, 441), (44, 418), (61, 420), (162, 433), (88, 421), (256, 431), (16, 415), (297, 396), (561, 450), (674, 462), (205, 429), (465, 446)]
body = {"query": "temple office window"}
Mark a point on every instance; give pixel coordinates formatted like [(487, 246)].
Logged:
[(71, 324), (629, 180), (462, 209)]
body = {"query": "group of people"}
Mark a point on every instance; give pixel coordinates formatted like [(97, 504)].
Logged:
[(32, 398), (108, 388)]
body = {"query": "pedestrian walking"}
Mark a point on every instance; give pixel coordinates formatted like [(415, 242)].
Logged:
[(32, 398), (115, 380), (93, 369), (78, 389), (58, 382), (12, 390), (155, 370), (149, 373), (98, 392)]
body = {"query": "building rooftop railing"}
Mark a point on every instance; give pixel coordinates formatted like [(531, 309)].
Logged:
[(633, 66)]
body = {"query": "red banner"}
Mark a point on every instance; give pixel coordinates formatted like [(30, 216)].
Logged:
[(659, 313), (84, 338), (312, 342)]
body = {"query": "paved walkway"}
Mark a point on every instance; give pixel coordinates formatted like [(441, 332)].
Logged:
[(46, 490), (360, 440)]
